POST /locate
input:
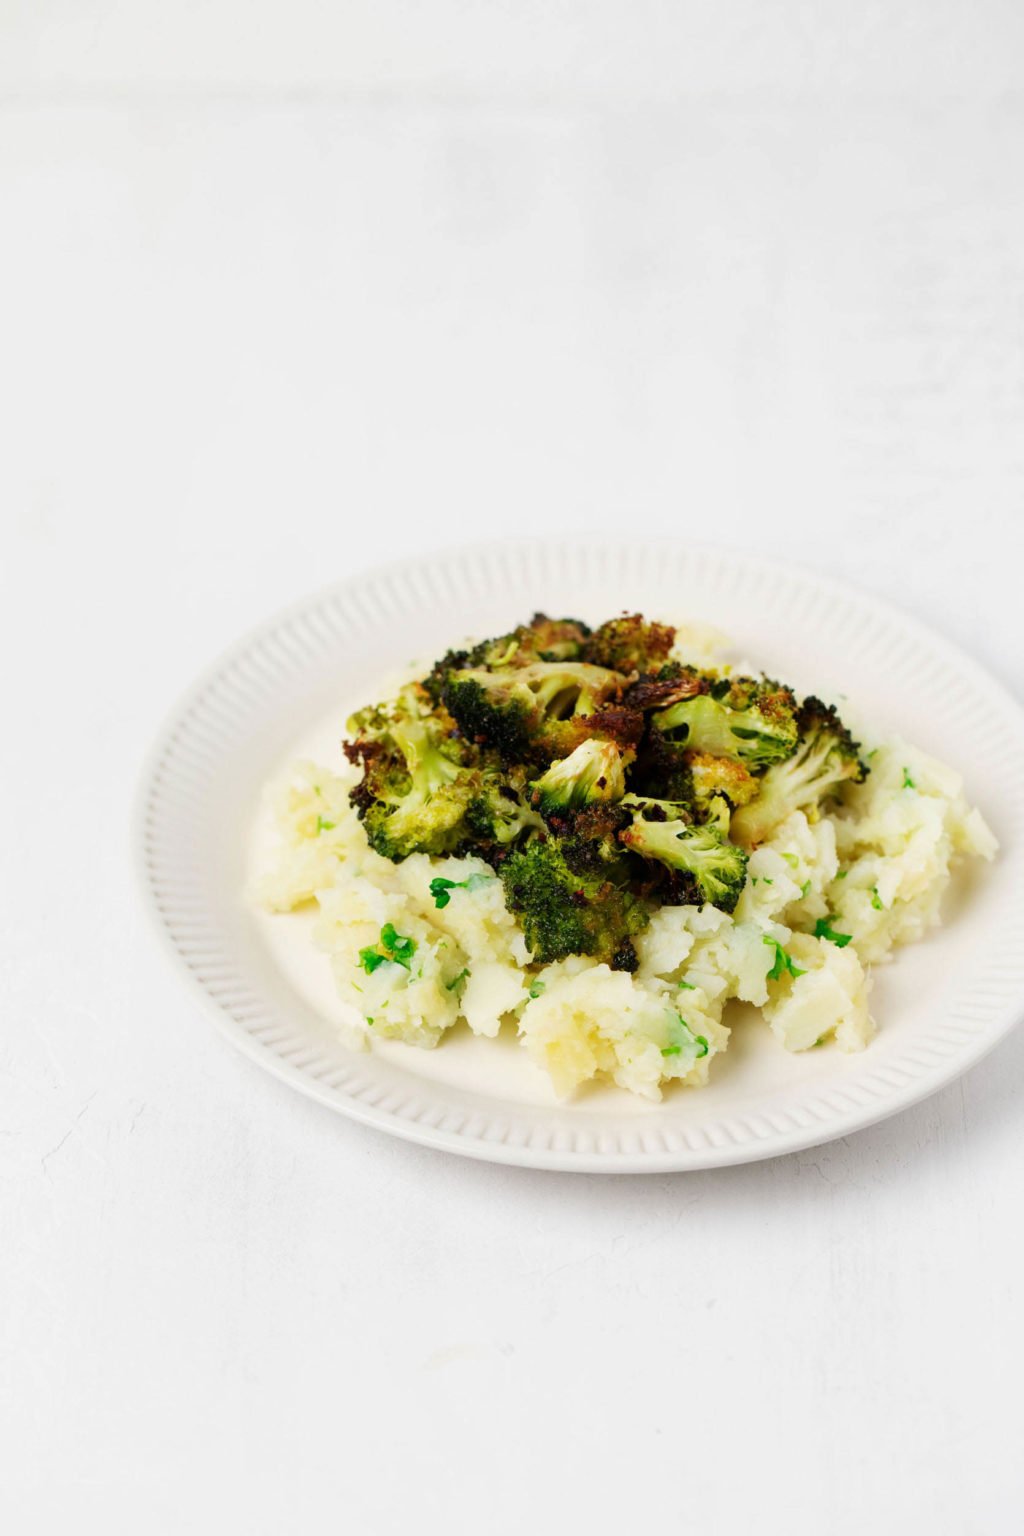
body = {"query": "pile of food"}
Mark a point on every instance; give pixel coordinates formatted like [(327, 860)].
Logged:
[(595, 838)]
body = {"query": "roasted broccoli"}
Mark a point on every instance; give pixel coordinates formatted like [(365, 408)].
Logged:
[(595, 774), (417, 783), (752, 720), (537, 712), (825, 759), (594, 771), (543, 639), (565, 912), (701, 865), (630, 644), (498, 812)]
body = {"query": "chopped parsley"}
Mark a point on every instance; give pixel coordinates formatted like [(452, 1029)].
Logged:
[(392, 946), (824, 930), (792, 860), (908, 782), (322, 825), (457, 981), (687, 986), (804, 889), (441, 889), (783, 961), (876, 900), (842, 874), (536, 988), (675, 1049)]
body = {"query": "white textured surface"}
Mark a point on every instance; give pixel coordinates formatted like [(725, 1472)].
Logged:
[(286, 289)]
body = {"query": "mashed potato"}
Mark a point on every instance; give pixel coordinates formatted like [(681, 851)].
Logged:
[(873, 872)]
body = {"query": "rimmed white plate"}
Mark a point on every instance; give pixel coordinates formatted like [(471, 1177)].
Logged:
[(285, 690)]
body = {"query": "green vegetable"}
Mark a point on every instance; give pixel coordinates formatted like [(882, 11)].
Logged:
[(536, 989), (324, 826), (783, 961), (804, 889), (701, 866), (908, 782), (595, 771), (441, 889), (688, 1039), (457, 981), (824, 930), (744, 718), (876, 900), (391, 946), (825, 759), (567, 910)]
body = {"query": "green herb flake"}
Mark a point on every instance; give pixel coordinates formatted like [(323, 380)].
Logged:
[(456, 981), (783, 961), (324, 826), (792, 860), (536, 988), (687, 986), (842, 874), (876, 900), (824, 930), (441, 889), (765, 880), (397, 945), (370, 958), (908, 782), (804, 890), (691, 1039), (392, 946)]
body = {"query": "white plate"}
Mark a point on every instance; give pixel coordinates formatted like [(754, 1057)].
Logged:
[(941, 1005)]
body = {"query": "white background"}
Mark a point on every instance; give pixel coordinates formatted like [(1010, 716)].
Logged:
[(286, 290)]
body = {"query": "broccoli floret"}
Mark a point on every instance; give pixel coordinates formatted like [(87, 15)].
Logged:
[(417, 782), (666, 686), (717, 777), (497, 814), (630, 644), (753, 721), (543, 639), (532, 713), (565, 912), (595, 771), (825, 759), (702, 865)]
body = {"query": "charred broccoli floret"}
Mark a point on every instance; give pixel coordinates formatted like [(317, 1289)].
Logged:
[(537, 712), (720, 778), (565, 912), (543, 639), (497, 814), (743, 718), (630, 644), (417, 783), (825, 759), (594, 771), (702, 866)]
